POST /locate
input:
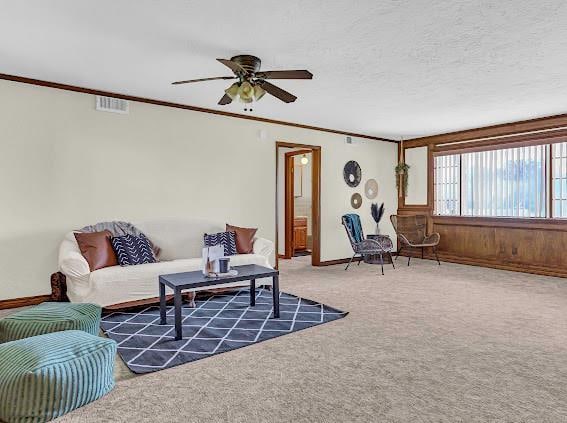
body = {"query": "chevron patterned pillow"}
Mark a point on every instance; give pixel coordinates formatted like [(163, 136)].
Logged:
[(226, 239), (132, 249)]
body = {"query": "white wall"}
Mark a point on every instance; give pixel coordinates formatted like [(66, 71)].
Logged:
[(416, 159), (64, 165)]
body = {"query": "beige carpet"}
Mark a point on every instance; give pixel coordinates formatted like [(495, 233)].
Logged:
[(421, 344)]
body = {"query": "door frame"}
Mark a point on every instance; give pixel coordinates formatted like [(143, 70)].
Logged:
[(315, 151)]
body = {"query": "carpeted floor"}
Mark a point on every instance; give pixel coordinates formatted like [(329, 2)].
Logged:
[(421, 344)]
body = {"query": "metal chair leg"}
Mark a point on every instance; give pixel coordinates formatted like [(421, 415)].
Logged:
[(391, 259), (359, 261), (350, 261), (436, 256), (409, 258), (382, 263), (399, 251)]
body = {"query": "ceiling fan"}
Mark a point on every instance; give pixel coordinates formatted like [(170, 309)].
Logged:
[(252, 85)]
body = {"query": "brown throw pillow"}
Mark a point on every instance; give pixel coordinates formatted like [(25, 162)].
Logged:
[(244, 238), (96, 249)]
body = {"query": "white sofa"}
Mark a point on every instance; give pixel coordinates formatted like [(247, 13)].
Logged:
[(181, 243)]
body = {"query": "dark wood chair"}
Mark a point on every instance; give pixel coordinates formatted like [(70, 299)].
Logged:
[(412, 233)]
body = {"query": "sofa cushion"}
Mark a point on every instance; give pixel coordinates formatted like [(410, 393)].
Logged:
[(131, 283), (118, 228), (244, 238), (96, 249), (131, 250), (226, 239)]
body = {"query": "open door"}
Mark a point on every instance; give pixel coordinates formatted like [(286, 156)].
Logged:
[(294, 229)]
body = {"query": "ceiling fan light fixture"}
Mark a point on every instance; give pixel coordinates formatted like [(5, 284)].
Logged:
[(258, 92), (252, 84), (246, 92), (232, 91)]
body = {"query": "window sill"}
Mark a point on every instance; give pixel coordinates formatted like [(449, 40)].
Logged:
[(503, 222)]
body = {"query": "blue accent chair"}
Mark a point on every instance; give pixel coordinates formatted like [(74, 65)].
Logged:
[(360, 245)]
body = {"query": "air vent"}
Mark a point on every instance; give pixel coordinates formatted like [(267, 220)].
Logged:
[(352, 141), (111, 104)]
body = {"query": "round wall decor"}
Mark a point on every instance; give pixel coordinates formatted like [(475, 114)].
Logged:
[(371, 189), (356, 200), (352, 173)]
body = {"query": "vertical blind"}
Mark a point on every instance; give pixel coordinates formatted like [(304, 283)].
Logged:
[(503, 183), (559, 179)]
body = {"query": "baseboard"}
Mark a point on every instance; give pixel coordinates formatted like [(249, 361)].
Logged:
[(23, 301), (513, 267), (337, 261)]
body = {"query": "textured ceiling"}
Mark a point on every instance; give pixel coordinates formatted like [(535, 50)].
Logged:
[(382, 68)]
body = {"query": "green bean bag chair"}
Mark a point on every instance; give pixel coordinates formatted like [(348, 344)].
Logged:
[(50, 317), (46, 376)]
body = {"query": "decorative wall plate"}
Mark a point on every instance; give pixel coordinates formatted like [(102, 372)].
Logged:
[(352, 173), (356, 200), (371, 189)]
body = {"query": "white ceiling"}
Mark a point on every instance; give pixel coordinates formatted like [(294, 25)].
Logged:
[(382, 68)]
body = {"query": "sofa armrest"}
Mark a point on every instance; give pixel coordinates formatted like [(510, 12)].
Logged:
[(74, 265), (71, 261), (263, 246)]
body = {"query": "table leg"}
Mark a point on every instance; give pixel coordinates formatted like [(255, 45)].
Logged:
[(162, 305), (276, 296), (177, 306), (252, 292)]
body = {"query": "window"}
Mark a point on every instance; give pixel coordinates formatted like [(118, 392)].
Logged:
[(509, 182), (559, 179), (447, 185)]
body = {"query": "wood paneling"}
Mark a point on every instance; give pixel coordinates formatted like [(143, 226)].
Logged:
[(547, 137), (515, 128), (518, 244), (535, 247)]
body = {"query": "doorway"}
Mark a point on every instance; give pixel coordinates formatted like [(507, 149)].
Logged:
[(298, 197)]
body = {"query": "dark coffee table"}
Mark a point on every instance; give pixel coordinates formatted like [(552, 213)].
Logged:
[(189, 280)]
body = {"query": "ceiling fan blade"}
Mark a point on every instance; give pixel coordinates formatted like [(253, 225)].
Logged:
[(278, 92), (202, 79), (225, 100), (285, 74), (235, 67)]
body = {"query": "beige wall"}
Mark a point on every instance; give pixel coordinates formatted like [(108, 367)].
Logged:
[(416, 159), (64, 165)]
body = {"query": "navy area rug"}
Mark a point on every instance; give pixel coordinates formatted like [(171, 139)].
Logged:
[(216, 324)]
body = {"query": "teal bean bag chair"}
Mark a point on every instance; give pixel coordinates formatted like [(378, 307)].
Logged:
[(50, 317), (46, 376)]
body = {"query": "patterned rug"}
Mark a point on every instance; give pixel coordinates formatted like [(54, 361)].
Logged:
[(216, 324)]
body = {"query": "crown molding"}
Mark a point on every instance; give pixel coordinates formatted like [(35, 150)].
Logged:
[(547, 123), (155, 102)]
